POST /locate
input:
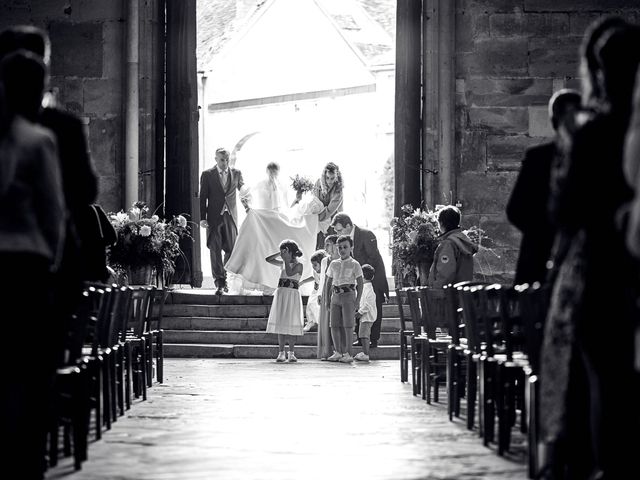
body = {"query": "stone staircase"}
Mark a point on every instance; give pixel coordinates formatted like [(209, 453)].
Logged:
[(198, 323)]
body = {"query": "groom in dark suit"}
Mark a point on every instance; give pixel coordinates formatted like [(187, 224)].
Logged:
[(219, 214), (365, 250)]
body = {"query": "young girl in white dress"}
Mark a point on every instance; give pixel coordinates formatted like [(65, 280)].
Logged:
[(286, 315)]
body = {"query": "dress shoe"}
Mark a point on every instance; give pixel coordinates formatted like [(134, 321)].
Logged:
[(373, 345), (357, 343), (219, 291)]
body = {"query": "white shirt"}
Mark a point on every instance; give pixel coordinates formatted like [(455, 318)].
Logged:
[(368, 308), (344, 272)]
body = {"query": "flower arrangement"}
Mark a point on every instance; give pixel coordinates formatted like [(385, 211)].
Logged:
[(415, 239), (301, 184), (145, 240)]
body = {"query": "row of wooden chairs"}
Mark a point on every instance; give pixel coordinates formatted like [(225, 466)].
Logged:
[(111, 345), (482, 341)]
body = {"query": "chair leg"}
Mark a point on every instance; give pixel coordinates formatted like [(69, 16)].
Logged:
[(451, 381), (531, 399), (106, 389), (487, 405), (160, 356), (459, 386), (471, 392), (403, 359)]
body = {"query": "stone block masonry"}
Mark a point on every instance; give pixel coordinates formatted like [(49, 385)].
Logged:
[(511, 55)]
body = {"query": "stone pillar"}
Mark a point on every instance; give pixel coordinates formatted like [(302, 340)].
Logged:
[(181, 130), (439, 103), (407, 106)]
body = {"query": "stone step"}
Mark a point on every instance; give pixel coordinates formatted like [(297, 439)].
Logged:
[(244, 311), (249, 338), (241, 324), (208, 297), (261, 351)]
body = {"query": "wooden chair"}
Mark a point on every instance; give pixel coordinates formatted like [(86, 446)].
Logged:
[(433, 344), (154, 334), (406, 332), (415, 342), (455, 351), (511, 365), (133, 338), (534, 304), (72, 391), (471, 310)]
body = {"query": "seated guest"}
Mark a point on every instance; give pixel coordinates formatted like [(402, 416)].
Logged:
[(453, 260)]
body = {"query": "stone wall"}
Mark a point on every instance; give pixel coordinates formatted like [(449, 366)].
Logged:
[(511, 55), (88, 69)]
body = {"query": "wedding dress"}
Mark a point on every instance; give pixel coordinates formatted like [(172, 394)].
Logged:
[(265, 228)]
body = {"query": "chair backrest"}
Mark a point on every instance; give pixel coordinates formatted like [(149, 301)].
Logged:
[(435, 310), (534, 304), (78, 325), (491, 319), (402, 299), (120, 315), (413, 296), (472, 311), (105, 319), (156, 308), (138, 310), (453, 312), (512, 324)]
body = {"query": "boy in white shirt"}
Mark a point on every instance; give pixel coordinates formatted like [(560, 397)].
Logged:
[(367, 313), (344, 279)]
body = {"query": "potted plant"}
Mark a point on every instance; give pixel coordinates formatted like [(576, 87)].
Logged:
[(147, 246), (414, 242)]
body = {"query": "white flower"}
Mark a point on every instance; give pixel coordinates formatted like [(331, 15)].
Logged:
[(145, 231), (155, 218), (182, 221)]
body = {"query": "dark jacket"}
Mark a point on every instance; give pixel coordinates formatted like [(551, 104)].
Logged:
[(453, 260), (527, 210), (213, 195), (365, 250)]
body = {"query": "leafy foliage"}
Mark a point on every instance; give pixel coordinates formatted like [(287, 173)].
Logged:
[(145, 240)]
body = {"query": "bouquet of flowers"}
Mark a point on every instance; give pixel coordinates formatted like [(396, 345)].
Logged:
[(301, 184), (145, 240), (415, 238)]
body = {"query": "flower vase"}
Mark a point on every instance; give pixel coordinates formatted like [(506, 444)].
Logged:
[(423, 272), (140, 275)]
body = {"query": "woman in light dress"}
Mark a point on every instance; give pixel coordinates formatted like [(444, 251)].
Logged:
[(285, 315)]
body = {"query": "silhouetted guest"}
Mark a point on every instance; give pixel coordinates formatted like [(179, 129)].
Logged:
[(31, 230), (527, 208), (632, 174), (79, 180), (588, 395)]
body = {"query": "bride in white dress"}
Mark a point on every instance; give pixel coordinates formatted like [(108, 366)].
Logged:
[(270, 221)]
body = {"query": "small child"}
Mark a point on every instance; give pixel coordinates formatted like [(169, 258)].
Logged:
[(313, 305), (285, 316), (344, 279), (325, 342), (367, 312)]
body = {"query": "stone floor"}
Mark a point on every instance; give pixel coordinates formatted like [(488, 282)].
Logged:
[(256, 419)]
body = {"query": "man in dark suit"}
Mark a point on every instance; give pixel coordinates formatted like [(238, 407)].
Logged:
[(527, 208), (365, 250), (219, 214)]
